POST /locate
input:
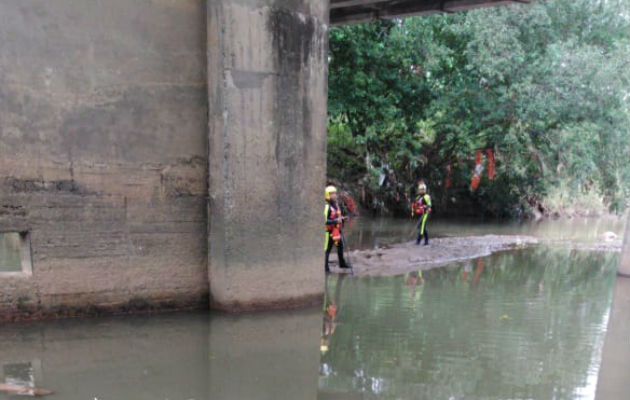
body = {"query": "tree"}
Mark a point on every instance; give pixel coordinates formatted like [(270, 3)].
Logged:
[(546, 86)]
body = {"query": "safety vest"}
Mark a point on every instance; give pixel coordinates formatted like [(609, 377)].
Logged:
[(418, 206), (333, 229)]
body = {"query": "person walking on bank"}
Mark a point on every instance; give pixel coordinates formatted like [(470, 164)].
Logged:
[(334, 220), (421, 208)]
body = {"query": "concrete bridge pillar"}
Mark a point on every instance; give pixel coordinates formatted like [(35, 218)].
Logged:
[(267, 91), (624, 260)]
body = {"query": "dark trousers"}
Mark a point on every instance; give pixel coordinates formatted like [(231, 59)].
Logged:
[(422, 229), (342, 262)]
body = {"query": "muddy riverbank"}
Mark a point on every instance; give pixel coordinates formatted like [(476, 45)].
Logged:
[(407, 256)]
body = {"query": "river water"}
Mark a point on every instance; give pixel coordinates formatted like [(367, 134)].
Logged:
[(524, 324), (527, 324)]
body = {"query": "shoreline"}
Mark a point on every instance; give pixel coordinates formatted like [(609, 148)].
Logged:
[(404, 257)]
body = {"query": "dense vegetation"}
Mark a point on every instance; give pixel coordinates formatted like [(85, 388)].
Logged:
[(545, 86)]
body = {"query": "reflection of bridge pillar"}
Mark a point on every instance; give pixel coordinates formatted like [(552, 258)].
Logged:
[(613, 382), (268, 356), (267, 93)]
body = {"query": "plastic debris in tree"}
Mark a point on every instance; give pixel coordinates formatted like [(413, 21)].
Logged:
[(478, 171), (490, 157), (349, 203), (476, 178)]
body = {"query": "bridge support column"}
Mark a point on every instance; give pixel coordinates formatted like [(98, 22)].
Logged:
[(267, 91), (613, 382), (624, 260)]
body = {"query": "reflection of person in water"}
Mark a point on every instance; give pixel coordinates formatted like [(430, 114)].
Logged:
[(412, 279), (331, 309)]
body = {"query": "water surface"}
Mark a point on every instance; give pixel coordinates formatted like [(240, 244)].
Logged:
[(526, 324)]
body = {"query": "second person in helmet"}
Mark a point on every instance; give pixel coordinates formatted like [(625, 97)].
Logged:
[(334, 221)]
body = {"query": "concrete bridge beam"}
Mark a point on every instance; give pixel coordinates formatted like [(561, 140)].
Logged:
[(267, 91)]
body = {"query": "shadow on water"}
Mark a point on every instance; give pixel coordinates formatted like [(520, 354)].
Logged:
[(522, 324), (168, 356), (140, 357)]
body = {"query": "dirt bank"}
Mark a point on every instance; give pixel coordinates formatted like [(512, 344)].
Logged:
[(408, 256)]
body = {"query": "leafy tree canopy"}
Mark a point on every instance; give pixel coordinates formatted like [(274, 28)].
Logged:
[(546, 86)]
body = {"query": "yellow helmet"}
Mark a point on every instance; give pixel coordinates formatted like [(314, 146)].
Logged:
[(323, 345), (329, 190)]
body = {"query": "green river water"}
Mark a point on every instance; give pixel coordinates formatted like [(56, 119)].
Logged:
[(523, 324)]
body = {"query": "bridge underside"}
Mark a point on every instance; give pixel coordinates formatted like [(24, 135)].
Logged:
[(349, 11)]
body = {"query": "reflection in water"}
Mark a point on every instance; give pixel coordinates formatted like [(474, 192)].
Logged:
[(19, 374), (168, 356), (331, 308), (270, 356), (19, 379), (524, 324), (467, 270), (140, 357), (413, 279)]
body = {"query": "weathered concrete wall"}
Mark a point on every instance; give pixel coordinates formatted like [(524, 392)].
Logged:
[(267, 83), (103, 153), (624, 259)]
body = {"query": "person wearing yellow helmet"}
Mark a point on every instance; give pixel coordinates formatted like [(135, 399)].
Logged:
[(421, 209), (334, 221)]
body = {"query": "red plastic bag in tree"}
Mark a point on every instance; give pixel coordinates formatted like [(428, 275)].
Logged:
[(349, 202), (476, 178), (447, 184)]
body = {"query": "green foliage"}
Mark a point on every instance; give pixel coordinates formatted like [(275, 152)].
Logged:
[(545, 85)]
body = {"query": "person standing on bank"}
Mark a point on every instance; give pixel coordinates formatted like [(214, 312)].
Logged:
[(334, 221), (421, 209)]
